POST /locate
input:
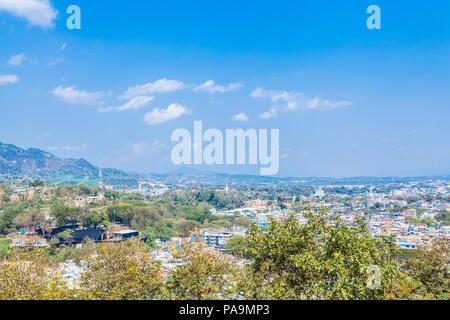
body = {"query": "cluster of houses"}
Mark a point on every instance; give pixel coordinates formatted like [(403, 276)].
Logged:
[(408, 235), (21, 193), (377, 205), (72, 235)]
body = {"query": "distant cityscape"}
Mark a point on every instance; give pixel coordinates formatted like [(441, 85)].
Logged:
[(212, 150), (415, 213)]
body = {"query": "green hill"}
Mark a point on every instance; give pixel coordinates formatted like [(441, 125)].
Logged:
[(38, 164)]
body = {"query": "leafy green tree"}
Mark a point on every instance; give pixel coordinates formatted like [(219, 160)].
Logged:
[(37, 183), (429, 221), (237, 246), (86, 190), (7, 192), (163, 229), (35, 219), (112, 195), (323, 259), (145, 217), (94, 218), (7, 217), (122, 271), (134, 196), (413, 220), (54, 242), (29, 276), (184, 226), (121, 212), (220, 223), (242, 222), (202, 274), (406, 288), (443, 217), (430, 268), (61, 214), (65, 215), (192, 213), (4, 247)]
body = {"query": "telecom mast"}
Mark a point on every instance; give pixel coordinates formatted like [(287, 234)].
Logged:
[(100, 183)]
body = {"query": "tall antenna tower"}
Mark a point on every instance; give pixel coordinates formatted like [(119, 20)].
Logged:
[(100, 182)]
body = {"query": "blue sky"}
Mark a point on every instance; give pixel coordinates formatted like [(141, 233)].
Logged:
[(348, 101)]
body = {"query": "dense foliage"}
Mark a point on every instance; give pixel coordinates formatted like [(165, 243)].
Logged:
[(322, 259), (319, 260)]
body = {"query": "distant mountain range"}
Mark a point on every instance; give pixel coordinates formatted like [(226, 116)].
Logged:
[(188, 176), (38, 164)]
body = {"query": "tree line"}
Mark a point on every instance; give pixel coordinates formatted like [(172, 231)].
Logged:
[(323, 259)]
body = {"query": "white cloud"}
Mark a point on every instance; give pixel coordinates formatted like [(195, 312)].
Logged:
[(74, 96), (269, 114), (106, 109), (37, 12), (134, 104), (17, 60), (162, 115), (55, 62), (287, 153), (159, 86), (138, 149), (74, 148), (63, 46), (272, 94), (8, 78), (68, 148), (290, 101), (44, 136), (141, 148), (240, 117), (210, 86)]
